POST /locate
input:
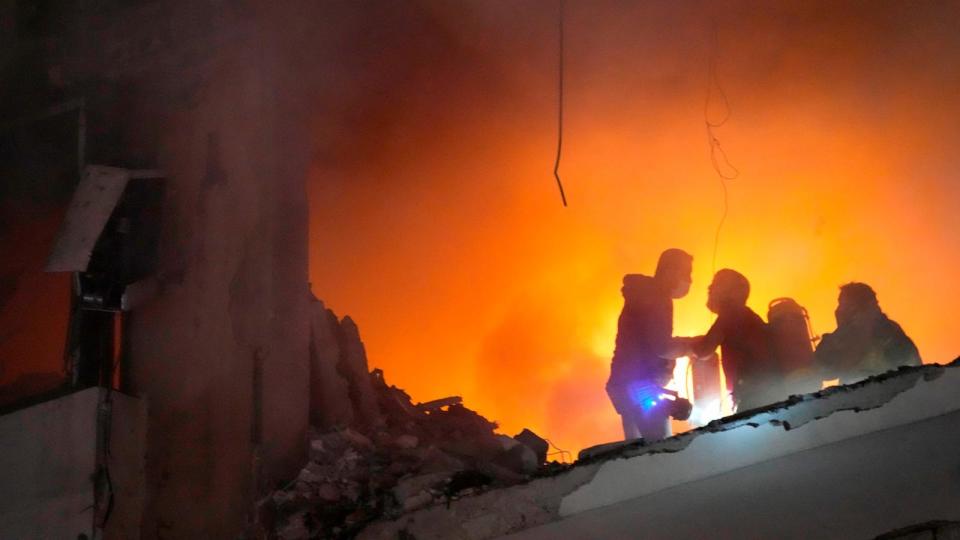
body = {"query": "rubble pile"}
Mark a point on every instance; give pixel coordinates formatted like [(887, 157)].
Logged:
[(383, 455)]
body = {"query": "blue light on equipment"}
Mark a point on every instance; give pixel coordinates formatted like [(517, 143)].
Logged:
[(647, 396)]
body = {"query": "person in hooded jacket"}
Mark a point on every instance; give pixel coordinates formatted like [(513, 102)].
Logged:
[(646, 349)]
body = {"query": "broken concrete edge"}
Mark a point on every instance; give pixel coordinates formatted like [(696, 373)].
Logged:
[(935, 528), (330, 404), (373, 454), (905, 396), (772, 414), (353, 366), (542, 500), (440, 403), (486, 515), (351, 479)]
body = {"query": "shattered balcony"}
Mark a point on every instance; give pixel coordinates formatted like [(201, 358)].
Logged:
[(853, 461)]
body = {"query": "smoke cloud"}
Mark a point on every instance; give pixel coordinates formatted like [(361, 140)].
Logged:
[(436, 223)]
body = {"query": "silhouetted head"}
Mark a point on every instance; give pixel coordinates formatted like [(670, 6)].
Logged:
[(675, 272), (728, 289), (856, 299)]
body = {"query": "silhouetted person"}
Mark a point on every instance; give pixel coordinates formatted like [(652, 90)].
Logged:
[(646, 349), (742, 337), (866, 342)]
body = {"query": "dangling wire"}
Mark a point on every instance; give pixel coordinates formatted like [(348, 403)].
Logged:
[(718, 157), (556, 164), (723, 219)]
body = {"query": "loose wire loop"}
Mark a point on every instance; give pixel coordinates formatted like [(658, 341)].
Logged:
[(556, 164), (565, 456), (718, 156)]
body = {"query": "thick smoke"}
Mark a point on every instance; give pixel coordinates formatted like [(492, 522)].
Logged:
[(436, 222)]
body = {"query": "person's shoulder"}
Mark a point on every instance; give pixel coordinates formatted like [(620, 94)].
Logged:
[(638, 287), (633, 283), (888, 327), (741, 316), (752, 315), (732, 319)]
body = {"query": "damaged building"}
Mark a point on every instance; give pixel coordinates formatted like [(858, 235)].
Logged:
[(169, 364), (181, 182)]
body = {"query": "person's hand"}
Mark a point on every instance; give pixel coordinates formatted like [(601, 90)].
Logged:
[(705, 358)]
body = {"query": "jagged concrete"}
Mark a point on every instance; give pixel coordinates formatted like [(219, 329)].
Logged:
[(353, 367), (788, 414), (487, 515), (617, 472), (330, 404)]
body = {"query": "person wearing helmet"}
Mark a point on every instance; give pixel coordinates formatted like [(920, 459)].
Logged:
[(646, 348)]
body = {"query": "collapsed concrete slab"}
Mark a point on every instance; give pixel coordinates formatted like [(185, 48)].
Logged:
[(756, 456), (415, 456)]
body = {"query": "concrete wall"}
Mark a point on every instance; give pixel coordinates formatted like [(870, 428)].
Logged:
[(49, 460), (202, 91), (223, 353), (222, 96)]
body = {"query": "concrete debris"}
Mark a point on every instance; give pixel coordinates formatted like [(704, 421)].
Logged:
[(488, 513), (414, 485), (433, 460), (517, 456), (440, 403), (418, 501), (329, 492), (406, 441), (410, 458), (539, 445), (295, 528), (625, 471)]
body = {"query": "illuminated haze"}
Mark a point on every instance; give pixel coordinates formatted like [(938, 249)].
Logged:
[(436, 223)]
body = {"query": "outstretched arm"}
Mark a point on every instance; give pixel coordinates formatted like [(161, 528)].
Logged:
[(706, 345), (659, 327), (677, 347)]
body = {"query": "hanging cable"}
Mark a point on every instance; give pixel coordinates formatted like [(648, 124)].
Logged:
[(723, 219), (556, 164), (718, 156)]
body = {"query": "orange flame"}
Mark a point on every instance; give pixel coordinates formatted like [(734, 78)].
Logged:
[(445, 240)]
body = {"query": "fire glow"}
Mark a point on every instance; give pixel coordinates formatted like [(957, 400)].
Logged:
[(445, 240), (705, 409)]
